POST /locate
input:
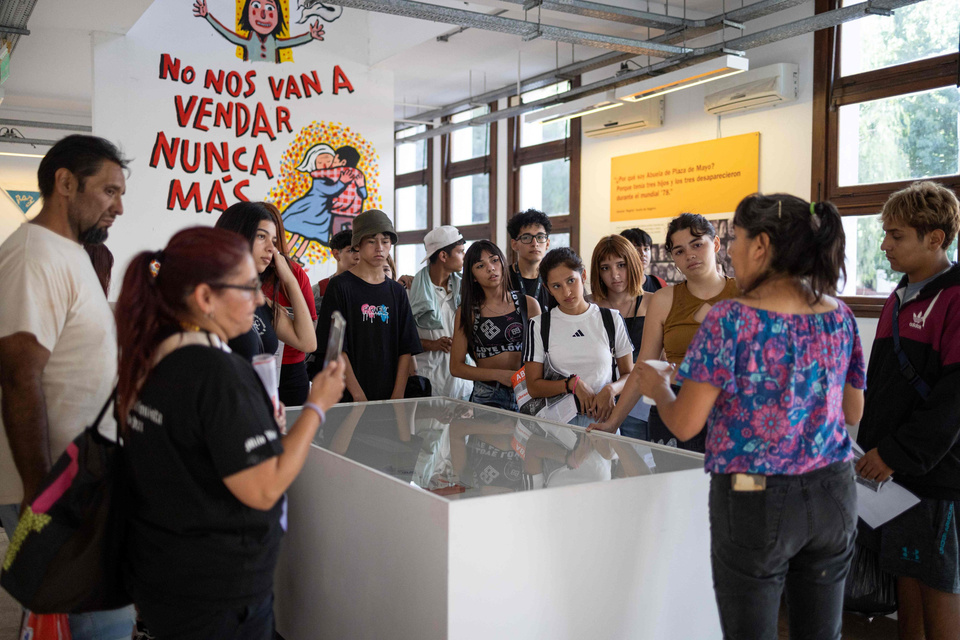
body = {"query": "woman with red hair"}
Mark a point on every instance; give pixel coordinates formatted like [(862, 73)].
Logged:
[(206, 463)]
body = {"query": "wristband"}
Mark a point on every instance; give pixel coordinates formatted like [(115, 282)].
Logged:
[(316, 408), (576, 381)]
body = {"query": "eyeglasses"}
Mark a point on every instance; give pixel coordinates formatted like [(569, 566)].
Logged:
[(527, 238), (253, 289)]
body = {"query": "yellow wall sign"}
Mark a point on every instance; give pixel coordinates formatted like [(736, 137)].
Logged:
[(703, 177)]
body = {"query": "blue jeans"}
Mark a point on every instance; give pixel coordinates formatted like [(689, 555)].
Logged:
[(494, 394), (634, 428), (797, 533), (103, 625)]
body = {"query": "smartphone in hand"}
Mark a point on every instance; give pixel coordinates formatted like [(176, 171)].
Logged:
[(338, 327)]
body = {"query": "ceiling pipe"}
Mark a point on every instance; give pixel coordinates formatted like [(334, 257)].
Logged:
[(711, 25), (821, 21), (526, 30), (31, 141), (615, 14), (44, 125)]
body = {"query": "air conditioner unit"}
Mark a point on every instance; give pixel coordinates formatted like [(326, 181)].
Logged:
[(764, 87), (636, 116)]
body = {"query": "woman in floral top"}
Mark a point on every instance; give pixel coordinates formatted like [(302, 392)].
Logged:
[(775, 375)]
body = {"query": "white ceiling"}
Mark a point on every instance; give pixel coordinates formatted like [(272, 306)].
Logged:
[(51, 70)]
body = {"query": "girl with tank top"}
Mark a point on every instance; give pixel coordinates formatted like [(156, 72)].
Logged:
[(490, 327), (616, 279), (675, 314)]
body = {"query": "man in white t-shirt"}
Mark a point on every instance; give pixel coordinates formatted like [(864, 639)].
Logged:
[(434, 298), (58, 344)]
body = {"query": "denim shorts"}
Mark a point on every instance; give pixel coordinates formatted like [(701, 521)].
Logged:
[(494, 394)]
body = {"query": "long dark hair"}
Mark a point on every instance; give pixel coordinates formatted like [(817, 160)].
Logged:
[(245, 218), (807, 241), (472, 294), (150, 307)]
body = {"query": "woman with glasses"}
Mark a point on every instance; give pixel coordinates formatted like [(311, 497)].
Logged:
[(206, 466), (271, 324)]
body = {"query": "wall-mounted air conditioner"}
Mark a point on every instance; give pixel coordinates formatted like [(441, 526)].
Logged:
[(635, 116), (764, 87)]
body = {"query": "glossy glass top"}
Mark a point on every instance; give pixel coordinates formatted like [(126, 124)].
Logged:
[(463, 450)]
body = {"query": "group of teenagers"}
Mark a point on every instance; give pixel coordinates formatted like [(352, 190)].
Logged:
[(765, 371)]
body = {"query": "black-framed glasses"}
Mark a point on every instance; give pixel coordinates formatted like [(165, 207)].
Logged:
[(250, 288), (527, 238)]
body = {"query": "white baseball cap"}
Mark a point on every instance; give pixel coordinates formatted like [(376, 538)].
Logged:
[(439, 238)]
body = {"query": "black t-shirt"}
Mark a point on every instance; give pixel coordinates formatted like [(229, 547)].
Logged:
[(532, 287), (260, 339), (380, 329), (201, 416), (652, 284)]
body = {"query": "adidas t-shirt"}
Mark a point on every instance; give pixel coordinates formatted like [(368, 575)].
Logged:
[(579, 344)]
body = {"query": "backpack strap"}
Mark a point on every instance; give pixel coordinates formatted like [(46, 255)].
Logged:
[(905, 367), (520, 303), (607, 316), (545, 332)]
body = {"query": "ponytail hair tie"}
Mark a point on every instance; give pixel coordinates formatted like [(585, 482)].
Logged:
[(154, 265), (813, 208)]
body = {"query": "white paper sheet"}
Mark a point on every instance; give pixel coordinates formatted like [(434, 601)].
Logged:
[(879, 506)]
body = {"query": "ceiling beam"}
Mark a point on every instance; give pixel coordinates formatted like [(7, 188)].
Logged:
[(609, 12)]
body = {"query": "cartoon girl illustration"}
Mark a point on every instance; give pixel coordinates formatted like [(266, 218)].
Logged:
[(335, 197), (264, 21)]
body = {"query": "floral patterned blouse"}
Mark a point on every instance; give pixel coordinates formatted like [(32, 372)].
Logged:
[(781, 379)]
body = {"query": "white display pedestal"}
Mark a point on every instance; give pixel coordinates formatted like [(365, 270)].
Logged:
[(368, 555)]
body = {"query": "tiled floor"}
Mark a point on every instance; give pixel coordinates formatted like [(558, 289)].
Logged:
[(854, 627)]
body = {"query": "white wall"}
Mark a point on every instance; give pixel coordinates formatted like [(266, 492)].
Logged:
[(785, 134)]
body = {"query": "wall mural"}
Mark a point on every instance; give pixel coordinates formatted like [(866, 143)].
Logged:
[(253, 100), (327, 176)]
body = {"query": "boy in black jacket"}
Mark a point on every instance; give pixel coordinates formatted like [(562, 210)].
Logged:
[(911, 420)]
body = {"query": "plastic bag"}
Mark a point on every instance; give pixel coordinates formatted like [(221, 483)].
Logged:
[(45, 626), (869, 590)]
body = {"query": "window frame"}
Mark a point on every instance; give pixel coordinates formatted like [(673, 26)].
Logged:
[(518, 156), (832, 90), (423, 177), (474, 166)]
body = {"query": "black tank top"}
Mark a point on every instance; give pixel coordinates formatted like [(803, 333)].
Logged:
[(635, 329), (498, 334)]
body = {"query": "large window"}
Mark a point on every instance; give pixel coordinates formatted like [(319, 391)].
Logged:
[(413, 185), (886, 113), (544, 166), (470, 176)]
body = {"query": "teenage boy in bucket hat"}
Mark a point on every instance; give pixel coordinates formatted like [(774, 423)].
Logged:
[(434, 298), (381, 337)]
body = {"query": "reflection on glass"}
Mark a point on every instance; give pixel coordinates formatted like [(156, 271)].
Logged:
[(546, 186), (868, 271), (901, 138), (924, 30), (470, 199), (536, 133), (558, 240), (462, 450), (413, 155), (472, 142), (411, 207), (409, 257)]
